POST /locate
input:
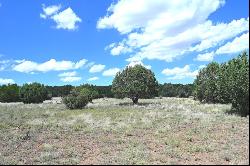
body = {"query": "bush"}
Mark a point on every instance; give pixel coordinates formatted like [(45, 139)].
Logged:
[(90, 94), (225, 83), (9, 93), (33, 93), (75, 100), (206, 84), (234, 84), (135, 82)]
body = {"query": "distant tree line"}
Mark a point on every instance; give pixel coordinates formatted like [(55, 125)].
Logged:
[(217, 83), (59, 91), (176, 90)]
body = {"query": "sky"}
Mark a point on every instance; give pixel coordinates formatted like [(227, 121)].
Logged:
[(64, 42)]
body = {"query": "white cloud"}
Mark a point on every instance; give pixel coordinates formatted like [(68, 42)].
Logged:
[(49, 10), (214, 35), (96, 68), (207, 57), (110, 72), (166, 30), (202, 66), (70, 79), (6, 81), (68, 74), (90, 64), (117, 49), (4, 61), (4, 64), (133, 63), (93, 79), (66, 19), (51, 65), (180, 73), (237, 45)]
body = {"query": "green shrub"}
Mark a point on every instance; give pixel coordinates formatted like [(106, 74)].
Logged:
[(206, 84), (75, 100), (9, 93), (33, 93), (135, 82), (234, 84), (225, 83), (90, 94)]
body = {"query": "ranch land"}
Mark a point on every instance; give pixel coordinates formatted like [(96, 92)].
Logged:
[(114, 131)]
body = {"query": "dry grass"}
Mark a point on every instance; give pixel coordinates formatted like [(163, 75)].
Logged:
[(112, 131)]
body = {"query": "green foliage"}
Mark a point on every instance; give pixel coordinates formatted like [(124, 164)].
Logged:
[(59, 91), (135, 82), (9, 93), (175, 90), (90, 94), (226, 83), (206, 84), (75, 100), (104, 91), (33, 93), (89, 91), (233, 84)]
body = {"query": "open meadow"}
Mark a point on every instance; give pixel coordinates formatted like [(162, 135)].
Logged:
[(113, 131)]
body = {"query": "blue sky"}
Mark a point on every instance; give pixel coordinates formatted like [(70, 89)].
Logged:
[(74, 42)]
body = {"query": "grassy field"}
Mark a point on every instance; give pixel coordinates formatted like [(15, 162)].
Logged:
[(112, 131)]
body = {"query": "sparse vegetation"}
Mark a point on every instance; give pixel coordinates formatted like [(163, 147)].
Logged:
[(113, 131)]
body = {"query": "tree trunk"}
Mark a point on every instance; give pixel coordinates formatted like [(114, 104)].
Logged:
[(135, 100)]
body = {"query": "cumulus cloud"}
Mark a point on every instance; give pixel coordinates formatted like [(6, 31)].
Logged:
[(237, 45), (68, 74), (111, 72), (49, 10), (96, 68), (66, 19), (51, 65), (90, 64), (207, 57), (70, 79), (133, 63), (117, 49), (6, 81), (180, 73), (166, 30), (202, 66), (93, 79), (4, 64)]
